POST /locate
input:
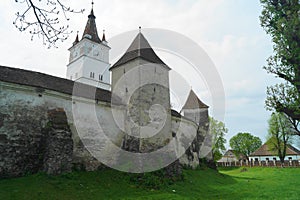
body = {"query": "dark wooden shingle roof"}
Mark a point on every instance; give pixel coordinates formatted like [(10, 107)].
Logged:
[(139, 48), (193, 102), (91, 29), (45, 81)]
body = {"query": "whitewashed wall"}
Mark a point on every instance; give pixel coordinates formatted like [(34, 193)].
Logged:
[(91, 135)]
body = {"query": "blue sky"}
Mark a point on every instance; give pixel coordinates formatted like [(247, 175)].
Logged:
[(227, 30)]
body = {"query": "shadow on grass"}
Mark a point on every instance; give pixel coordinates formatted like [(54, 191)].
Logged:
[(227, 168), (213, 184), (247, 178)]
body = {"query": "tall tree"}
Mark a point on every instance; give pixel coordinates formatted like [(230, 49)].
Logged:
[(281, 20), (280, 133), (45, 19), (218, 131), (244, 144)]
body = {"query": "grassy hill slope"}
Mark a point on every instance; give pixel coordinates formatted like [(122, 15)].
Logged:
[(254, 183)]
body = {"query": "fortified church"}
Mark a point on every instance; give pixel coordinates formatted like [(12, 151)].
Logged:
[(45, 124)]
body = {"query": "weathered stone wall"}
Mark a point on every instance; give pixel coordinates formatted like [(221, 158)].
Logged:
[(21, 133), (32, 139), (57, 143), (147, 98), (200, 117)]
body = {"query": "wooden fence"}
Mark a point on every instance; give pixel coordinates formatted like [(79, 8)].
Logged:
[(290, 163)]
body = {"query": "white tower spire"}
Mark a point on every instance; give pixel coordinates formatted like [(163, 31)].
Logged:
[(89, 57)]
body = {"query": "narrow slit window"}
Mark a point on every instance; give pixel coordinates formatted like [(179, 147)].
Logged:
[(92, 75)]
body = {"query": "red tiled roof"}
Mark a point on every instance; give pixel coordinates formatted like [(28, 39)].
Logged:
[(264, 150)]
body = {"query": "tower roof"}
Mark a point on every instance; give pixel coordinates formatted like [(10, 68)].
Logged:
[(193, 102), (103, 36), (139, 48), (91, 29), (264, 150), (76, 39)]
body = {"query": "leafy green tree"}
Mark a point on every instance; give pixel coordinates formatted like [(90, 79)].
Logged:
[(218, 131), (281, 20), (280, 133), (244, 144)]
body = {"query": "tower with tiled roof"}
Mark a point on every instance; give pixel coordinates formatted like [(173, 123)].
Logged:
[(197, 111), (139, 54), (141, 79), (194, 109), (89, 57)]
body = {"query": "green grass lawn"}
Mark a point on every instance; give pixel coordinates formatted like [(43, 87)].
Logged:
[(255, 183)]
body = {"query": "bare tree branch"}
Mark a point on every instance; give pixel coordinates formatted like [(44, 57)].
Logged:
[(45, 19)]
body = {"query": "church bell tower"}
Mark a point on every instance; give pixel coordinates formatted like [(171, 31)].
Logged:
[(89, 57)]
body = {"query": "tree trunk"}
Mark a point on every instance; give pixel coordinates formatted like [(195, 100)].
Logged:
[(281, 160)]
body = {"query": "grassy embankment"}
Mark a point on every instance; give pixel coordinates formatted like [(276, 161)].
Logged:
[(255, 183)]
